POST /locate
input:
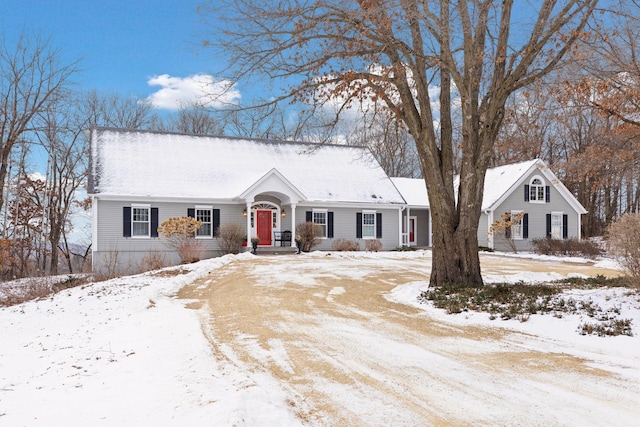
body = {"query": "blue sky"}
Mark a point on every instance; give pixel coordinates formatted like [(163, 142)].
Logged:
[(123, 44)]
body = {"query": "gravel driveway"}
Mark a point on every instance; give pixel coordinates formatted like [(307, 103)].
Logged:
[(347, 356)]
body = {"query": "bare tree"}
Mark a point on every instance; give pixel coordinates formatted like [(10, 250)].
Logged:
[(63, 137), (393, 52), (31, 79), (390, 143), (614, 60), (197, 120), (114, 110), (272, 121)]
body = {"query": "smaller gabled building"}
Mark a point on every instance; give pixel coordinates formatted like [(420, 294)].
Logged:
[(527, 191)]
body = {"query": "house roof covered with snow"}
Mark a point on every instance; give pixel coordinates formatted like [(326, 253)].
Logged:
[(499, 183), (413, 190), (499, 180), (152, 164)]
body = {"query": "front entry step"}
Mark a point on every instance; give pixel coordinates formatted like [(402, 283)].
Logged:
[(276, 250)]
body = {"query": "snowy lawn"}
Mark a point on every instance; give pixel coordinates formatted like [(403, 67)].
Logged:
[(129, 352)]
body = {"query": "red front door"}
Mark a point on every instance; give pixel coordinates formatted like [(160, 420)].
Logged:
[(263, 227)]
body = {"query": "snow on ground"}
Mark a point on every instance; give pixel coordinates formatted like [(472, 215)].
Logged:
[(126, 352), (561, 331)]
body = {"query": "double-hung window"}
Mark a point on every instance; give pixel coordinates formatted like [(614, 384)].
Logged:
[(205, 216), (140, 221), (368, 224), (556, 225), (320, 218), (516, 225)]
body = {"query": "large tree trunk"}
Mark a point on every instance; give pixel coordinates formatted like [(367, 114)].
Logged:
[(455, 253), (455, 229)]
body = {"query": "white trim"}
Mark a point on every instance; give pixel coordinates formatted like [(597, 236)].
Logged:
[(267, 205), (195, 215), (558, 214), (400, 225), (326, 220), (369, 212), (521, 234), (307, 204), (156, 199), (148, 208), (579, 228), (415, 230), (249, 230), (254, 189), (293, 225), (544, 189)]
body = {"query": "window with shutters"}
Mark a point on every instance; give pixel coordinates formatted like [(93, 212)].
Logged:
[(517, 225), (556, 225), (320, 217), (140, 221), (537, 190), (368, 224), (204, 214)]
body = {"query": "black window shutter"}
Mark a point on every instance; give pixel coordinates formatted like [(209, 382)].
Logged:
[(548, 225), (378, 225), (154, 222), (525, 226), (330, 225), (526, 193), (191, 213), (126, 221), (309, 216), (216, 221), (565, 226), (359, 225), (547, 194)]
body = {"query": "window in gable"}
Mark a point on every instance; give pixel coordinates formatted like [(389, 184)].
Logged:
[(536, 191)]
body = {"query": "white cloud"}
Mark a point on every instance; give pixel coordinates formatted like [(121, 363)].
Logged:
[(198, 89)]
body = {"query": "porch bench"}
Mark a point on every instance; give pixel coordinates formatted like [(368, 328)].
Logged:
[(283, 237)]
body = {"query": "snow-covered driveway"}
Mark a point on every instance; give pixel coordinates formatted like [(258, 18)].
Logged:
[(310, 340), (329, 329)]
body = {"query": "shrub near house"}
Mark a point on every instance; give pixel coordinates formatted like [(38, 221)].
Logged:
[(180, 234)]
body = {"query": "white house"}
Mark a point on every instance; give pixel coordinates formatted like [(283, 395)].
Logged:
[(138, 179)]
